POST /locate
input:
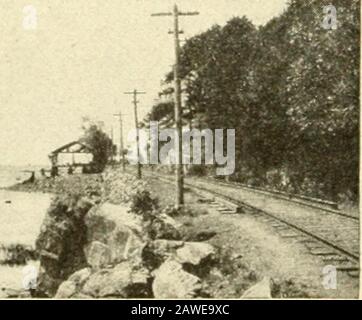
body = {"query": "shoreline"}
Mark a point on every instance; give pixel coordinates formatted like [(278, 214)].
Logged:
[(21, 216), (71, 184), (238, 271)]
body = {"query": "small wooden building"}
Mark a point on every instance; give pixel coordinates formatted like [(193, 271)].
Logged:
[(74, 156)]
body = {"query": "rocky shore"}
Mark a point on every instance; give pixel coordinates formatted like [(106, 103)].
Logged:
[(104, 236), (87, 185), (108, 236)]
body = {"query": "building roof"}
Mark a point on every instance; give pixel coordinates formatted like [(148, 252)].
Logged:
[(68, 148)]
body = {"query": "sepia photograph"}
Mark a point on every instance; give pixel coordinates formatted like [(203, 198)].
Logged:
[(186, 149)]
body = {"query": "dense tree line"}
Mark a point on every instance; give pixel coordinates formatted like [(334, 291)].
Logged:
[(291, 91)]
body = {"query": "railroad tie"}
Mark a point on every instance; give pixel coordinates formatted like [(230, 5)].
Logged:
[(334, 258), (354, 273), (314, 246), (325, 252), (290, 235), (276, 225), (282, 228), (214, 204), (348, 268), (227, 211)]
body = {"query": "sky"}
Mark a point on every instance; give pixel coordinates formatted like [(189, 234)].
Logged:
[(81, 56)]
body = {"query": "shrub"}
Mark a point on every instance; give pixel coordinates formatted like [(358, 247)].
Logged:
[(172, 211), (197, 170), (143, 204)]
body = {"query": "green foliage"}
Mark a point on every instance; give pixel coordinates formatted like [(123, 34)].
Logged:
[(184, 211), (197, 170), (291, 91), (162, 110), (322, 97), (143, 204), (101, 145)]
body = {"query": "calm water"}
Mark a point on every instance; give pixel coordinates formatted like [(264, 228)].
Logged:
[(10, 175), (21, 215)]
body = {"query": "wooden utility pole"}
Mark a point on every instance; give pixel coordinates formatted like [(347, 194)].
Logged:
[(135, 93), (121, 146), (178, 107), (112, 141)]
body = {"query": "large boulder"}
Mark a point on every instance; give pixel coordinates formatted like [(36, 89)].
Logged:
[(165, 227), (72, 287), (261, 290), (158, 251), (66, 290), (193, 256), (123, 281), (9, 293), (60, 243), (113, 235), (98, 254), (195, 253), (172, 282)]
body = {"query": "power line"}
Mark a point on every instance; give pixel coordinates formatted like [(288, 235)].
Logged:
[(112, 144), (135, 93), (121, 145), (178, 107)]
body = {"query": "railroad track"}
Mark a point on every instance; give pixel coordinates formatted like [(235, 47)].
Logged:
[(314, 203), (332, 236)]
